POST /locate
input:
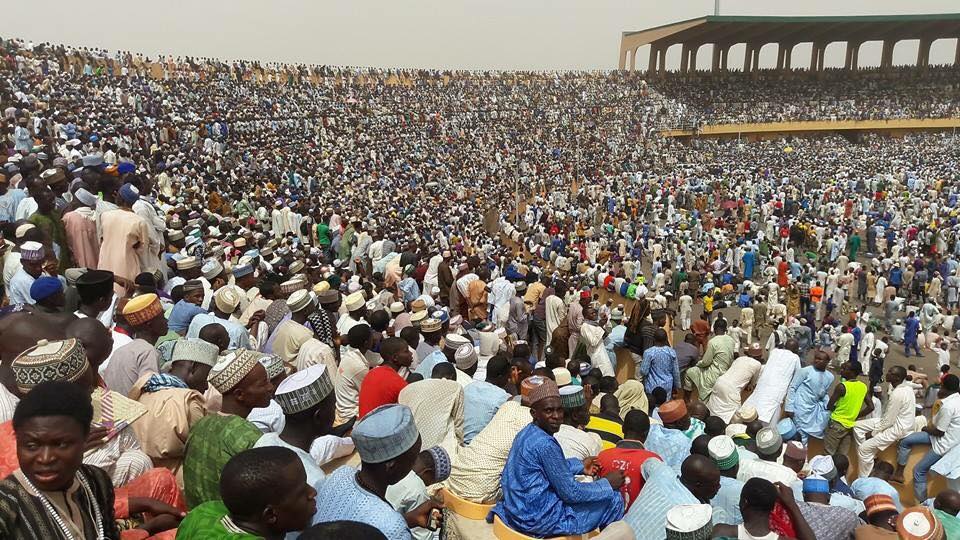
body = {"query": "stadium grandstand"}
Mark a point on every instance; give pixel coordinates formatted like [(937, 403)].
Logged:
[(792, 93)]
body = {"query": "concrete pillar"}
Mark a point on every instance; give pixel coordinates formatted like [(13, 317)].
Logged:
[(692, 64), (725, 55), (886, 56), (684, 58), (814, 56), (748, 58), (780, 51), (756, 57), (923, 53), (715, 60), (956, 58), (662, 60), (652, 62), (787, 56), (855, 56), (633, 60)]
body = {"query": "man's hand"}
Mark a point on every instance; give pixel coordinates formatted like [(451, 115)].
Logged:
[(153, 507), (163, 522), (785, 494), (420, 516), (590, 467), (256, 318), (97, 437), (616, 478)]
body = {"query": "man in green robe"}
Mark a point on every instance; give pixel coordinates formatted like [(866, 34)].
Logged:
[(264, 495), (216, 438)]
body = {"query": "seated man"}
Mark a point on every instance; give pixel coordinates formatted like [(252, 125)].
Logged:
[(629, 454), (756, 504), (477, 467), (264, 494), (540, 496), (214, 439), (388, 443)]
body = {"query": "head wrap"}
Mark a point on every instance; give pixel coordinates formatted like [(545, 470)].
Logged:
[(194, 350), (32, 251), (86, 197), (299, 301), (466, 356), (919, 523), (129, 193), (273, 364), (689, 522), (768, 441), (723, 452), (823, 466), (304, 389), (547, 389), (571, 397), (142, 309), (879, 502), (226, 299), (441, 463), (673, 411), (44, 287), (49, 361), (385, 433), (562, 376), (231, 368), (816, 484)]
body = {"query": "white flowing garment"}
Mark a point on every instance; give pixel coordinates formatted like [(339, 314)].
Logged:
[(772, 385)]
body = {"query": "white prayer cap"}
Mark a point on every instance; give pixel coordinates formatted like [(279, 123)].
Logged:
[(304, 389), (688, 521)]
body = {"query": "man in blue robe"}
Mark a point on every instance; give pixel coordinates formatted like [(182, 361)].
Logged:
[(540, 496), (808, 397)]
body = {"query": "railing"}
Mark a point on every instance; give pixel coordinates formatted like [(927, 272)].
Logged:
[(687, 129)]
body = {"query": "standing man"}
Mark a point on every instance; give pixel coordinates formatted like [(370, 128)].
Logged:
[(911, 330), (847, 404), (876, 434), (807, 398)]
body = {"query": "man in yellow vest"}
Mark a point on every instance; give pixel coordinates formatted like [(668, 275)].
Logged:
[(848, 403)]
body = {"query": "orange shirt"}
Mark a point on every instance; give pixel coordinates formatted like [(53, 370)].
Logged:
[(816, 293)]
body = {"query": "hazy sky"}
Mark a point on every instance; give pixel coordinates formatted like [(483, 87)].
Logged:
[(471, 34)]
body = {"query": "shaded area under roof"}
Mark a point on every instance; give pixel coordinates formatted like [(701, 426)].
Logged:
[(733, 29)]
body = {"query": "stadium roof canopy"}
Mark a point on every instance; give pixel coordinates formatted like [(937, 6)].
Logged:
[(725, 31)]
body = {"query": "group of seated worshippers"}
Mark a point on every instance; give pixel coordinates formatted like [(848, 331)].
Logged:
[(557, 449)]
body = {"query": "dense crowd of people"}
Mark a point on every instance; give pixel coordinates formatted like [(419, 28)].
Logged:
[(901, 92), (266, 301)]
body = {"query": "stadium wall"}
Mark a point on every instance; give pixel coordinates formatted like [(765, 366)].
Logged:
[(776, 129)]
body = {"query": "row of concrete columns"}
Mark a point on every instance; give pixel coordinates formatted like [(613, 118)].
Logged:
[(751, 57)]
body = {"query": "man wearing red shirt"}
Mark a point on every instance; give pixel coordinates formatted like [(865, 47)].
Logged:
[(383, 384), (628, 456)]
